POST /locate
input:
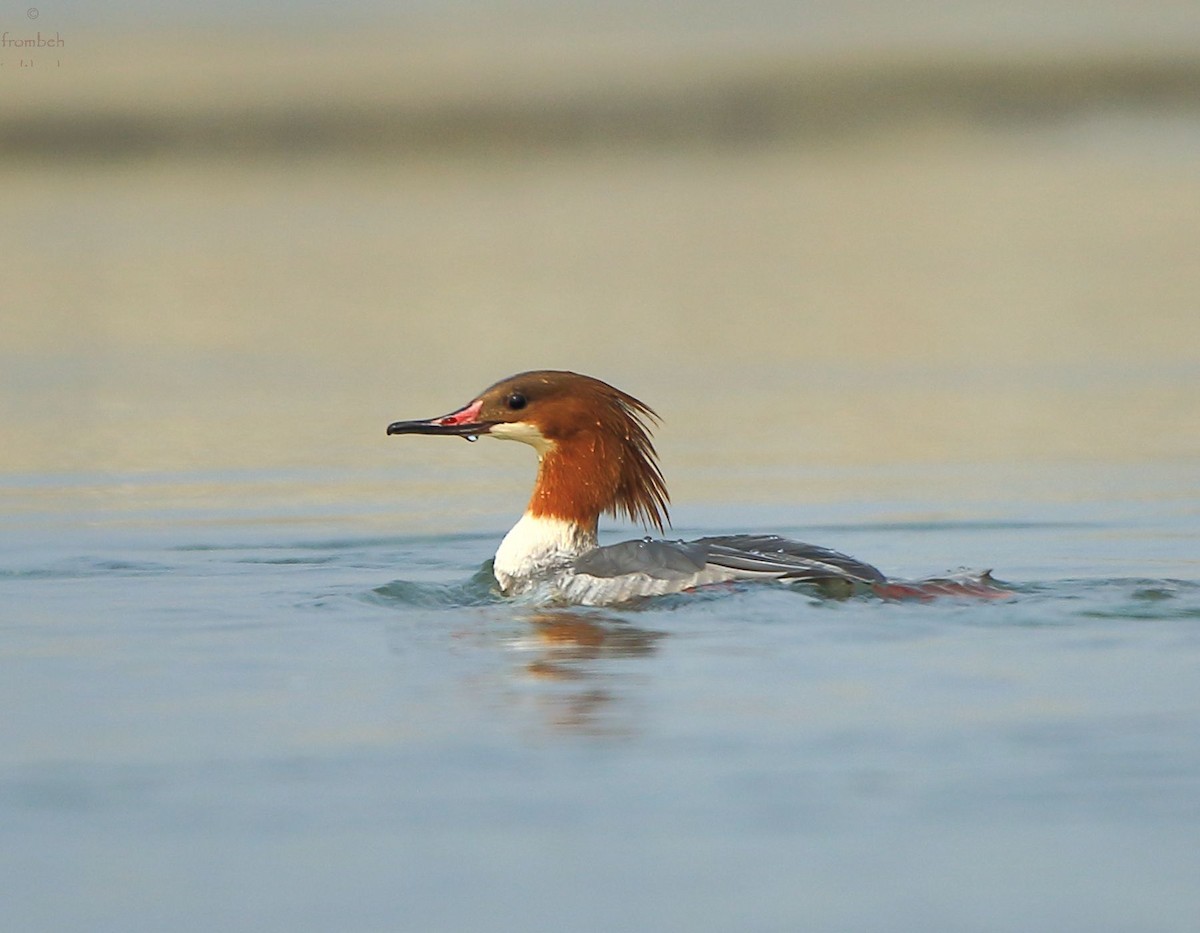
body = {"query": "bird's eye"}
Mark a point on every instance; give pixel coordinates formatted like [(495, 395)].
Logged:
[(516, 401)]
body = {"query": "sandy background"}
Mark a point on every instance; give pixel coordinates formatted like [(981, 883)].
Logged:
[(225, 255)]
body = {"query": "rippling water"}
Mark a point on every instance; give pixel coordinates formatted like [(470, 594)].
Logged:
[(303, 724)]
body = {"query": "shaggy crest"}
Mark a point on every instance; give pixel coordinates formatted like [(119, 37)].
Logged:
[(594, 446)]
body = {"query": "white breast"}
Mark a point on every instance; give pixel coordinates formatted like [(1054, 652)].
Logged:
[(535, 547)]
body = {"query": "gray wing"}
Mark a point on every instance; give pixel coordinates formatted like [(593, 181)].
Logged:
[(744, 555), (793, 560), (660, 560)]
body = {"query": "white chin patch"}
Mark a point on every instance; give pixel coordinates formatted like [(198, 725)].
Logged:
[(521, 431)]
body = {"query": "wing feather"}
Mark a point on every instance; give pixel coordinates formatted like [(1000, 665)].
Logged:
[(744, 555)]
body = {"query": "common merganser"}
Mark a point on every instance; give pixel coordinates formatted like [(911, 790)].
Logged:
[(595, 456)]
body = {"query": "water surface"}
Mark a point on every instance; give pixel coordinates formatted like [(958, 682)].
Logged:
[(292, 722)]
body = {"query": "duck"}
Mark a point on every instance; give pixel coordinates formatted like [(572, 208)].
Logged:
[(596, 457)]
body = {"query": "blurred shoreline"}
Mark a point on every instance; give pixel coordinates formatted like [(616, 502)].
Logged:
[(252, 251), (201, 97)]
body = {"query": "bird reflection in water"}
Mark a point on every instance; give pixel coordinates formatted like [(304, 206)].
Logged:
[(576, 659)]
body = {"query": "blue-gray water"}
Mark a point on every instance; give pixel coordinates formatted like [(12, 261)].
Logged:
[(294, 722)]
